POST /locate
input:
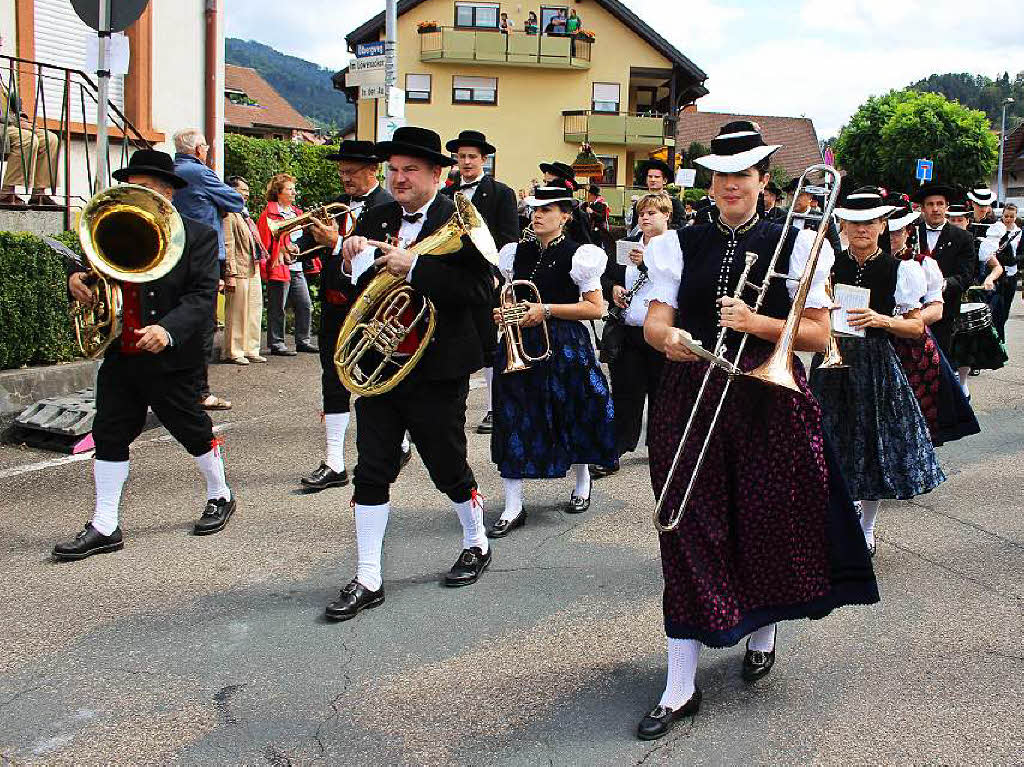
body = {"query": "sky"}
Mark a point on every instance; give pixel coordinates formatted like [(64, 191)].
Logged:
[(814, 58)]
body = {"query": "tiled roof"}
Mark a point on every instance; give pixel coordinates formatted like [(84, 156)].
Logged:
[(796, 134), (271, 109), (1013, 154)]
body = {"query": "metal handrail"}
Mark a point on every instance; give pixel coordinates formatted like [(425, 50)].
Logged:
[(580, 49), (13, 70)]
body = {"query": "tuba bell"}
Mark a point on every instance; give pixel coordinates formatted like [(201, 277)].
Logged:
[(388, 311), (129, 233)]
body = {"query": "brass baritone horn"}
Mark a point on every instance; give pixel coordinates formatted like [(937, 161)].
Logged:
[(365, 355), (512, 311), (323, 213), (129, 233), (778, 368)]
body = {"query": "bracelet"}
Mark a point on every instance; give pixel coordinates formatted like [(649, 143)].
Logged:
[(547, 311)]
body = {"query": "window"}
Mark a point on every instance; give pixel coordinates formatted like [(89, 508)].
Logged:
[(483, 15), (611, 169), (606, 97), (417, 88), (549, 12), (474, 90)]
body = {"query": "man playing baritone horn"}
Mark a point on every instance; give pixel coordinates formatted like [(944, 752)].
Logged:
[(430, 402), (154, 364)]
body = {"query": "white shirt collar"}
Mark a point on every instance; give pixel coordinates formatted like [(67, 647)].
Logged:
[(476, 180), (422, 210)]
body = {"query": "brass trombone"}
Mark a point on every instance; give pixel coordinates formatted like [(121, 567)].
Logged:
[(833, 359), (512, 311), (322, 213), (778, 368)]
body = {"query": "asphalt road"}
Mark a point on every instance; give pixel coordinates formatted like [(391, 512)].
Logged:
[(213, 650)]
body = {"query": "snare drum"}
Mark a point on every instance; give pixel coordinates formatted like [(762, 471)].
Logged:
[(973, 317)]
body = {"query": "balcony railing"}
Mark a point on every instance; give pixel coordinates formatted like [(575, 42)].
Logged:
[(488, 46), (623, 128), (37, 99)]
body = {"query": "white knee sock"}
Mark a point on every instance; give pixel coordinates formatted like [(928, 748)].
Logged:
[(513, 499), (110, 477), (682, 669), (489, 378), (212, 466), (471, 515), (371, 522), (763, 639), (582, 480), (868, 512), (406, 446), (336, 424)]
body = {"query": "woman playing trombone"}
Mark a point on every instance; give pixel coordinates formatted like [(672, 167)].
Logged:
[(557, 414), (769, 533)]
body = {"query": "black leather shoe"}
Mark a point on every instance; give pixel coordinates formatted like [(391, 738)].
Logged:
[(486, 426), (757, 663), (283, 353), (657, 723), (406, 457), (325, 477), (577, 505), (596, 472), (354, 598), (467, 567), (88, 542), (505, 526), (215, 517), (307, 348)]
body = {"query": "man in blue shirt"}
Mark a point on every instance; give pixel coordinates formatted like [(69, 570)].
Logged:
[(206, 199)]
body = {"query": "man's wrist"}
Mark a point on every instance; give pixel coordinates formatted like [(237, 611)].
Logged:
[(547, 311)]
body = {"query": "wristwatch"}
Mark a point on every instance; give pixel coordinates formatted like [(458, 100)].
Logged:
[(547, 311)]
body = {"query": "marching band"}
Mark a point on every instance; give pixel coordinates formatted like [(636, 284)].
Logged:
[(766, 506)]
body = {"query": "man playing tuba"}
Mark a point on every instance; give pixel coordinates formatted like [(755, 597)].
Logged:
[(154, 364), (430, 403)]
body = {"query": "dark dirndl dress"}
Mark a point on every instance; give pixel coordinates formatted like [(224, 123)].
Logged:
[(948, 413), (559, 412), (770, 532), (978, 349)]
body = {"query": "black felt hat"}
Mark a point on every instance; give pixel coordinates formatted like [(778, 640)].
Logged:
[(933, 189), (739, 145), (150, 162), (471, 138), (356, 151), (415, 142), (648, 165)]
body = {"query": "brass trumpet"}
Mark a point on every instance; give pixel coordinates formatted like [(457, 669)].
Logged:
[(322, 213), (129, 233), (512, 311), (777, 369)]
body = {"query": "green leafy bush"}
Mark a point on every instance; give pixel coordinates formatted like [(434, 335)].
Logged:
[(258, 159), (34, 324)]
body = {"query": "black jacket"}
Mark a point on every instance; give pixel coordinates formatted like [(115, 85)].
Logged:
[(678, 215), (497, 205), (954, 252), (458, 284), (331, 277), (183, 302)]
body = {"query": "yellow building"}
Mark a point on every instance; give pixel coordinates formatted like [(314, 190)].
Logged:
[(536, 96)]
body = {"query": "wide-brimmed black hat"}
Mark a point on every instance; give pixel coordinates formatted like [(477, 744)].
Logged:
[(356, 151), (150, 162), (958, 210), (981, 195), (772, 188), (559, 169), (739, 145), (546, 195), (471, 138), (649, 165), (902, 217), (415, 142), (864, 204), (933, 189)]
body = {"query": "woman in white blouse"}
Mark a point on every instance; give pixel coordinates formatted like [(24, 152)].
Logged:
[(557, 415)]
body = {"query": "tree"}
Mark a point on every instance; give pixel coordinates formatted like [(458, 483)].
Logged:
[(888, 134), (695, 150)]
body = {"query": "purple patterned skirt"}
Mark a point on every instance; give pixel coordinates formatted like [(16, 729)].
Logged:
[(770, 532)]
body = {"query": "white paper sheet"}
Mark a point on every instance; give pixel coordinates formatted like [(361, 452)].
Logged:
[(622, 250), (849, 297)]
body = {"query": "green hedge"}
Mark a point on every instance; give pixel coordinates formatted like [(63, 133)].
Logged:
[(259, 159), (34, 324)]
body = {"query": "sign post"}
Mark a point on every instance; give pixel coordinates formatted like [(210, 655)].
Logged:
[(925, 171)]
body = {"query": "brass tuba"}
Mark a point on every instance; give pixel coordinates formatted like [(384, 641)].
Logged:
[(512, 311), (379, 321), (129, 233)]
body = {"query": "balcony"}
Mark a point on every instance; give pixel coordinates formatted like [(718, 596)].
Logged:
[(459, 45), (622, 128)]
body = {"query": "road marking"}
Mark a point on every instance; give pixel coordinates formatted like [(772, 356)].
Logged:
[(51, 463)]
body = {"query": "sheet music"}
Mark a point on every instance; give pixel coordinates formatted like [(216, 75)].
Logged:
[(622, 250), (849, 297)]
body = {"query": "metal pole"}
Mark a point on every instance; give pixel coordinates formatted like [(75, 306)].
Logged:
[(391, 50), (1002, 146), (103, 80)]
